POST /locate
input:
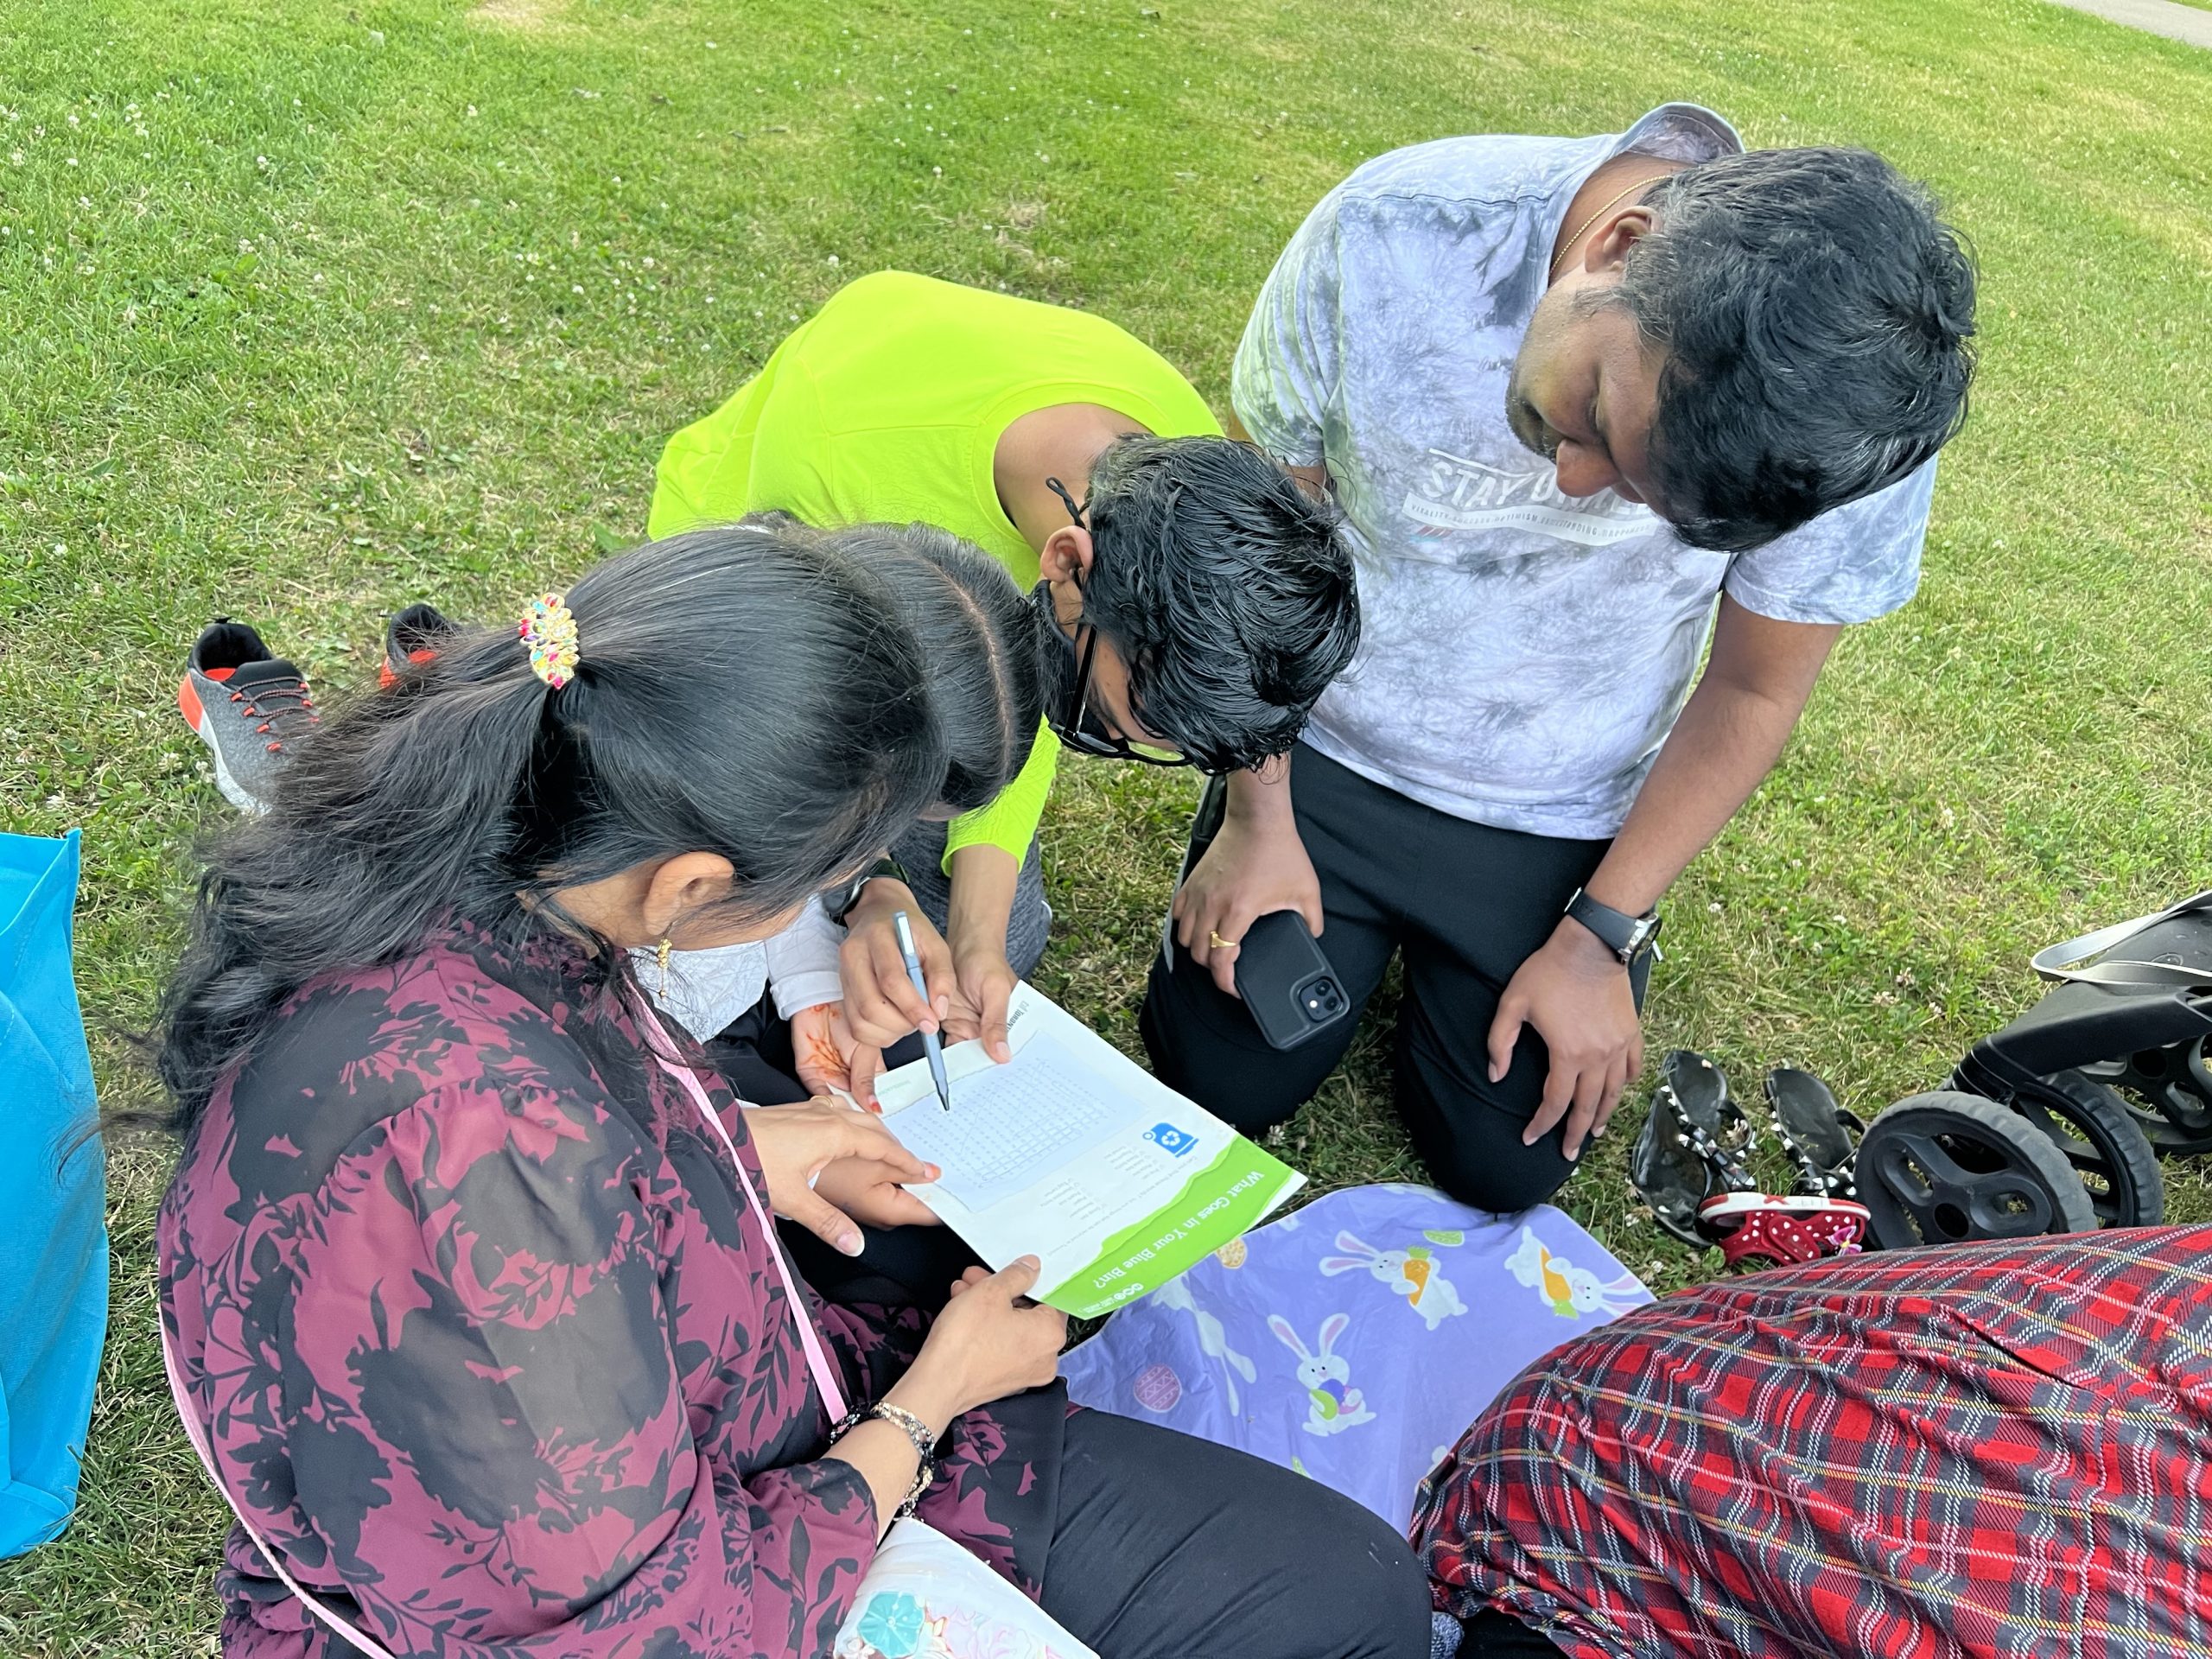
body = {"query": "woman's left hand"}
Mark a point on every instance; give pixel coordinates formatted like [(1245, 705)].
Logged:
[(871, 1191), (828, 1057), (797, 1144)]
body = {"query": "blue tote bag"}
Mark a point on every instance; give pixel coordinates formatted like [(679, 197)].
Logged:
[(53, 1236)]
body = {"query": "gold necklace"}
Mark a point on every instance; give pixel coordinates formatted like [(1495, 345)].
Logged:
[(1567, 247)]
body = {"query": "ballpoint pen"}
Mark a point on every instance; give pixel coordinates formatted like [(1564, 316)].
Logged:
[(930, 1045)]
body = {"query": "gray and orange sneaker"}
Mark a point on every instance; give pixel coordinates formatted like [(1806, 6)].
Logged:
[(248, 706)]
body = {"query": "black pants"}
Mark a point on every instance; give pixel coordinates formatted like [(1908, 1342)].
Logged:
[(1170, 1548), (1467, 904), (898, 1267)]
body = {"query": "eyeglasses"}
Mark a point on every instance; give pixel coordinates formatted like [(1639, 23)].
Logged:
[(1075, 725)]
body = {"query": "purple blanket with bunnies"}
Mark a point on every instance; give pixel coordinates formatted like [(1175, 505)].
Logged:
[(1355, 1339)]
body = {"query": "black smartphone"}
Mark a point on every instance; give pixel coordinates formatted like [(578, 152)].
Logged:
[(1286, 981)]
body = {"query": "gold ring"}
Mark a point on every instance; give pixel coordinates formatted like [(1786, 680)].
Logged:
[(1220, 943)]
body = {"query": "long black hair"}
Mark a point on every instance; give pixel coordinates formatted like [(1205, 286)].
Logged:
[(742, 690), (979, 637)]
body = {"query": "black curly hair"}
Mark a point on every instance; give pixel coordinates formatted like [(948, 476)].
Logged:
[(1815, 315), (1226, 590)]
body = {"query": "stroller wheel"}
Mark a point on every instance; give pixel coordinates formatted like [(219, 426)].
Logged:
[(1943, 1169), (2102, 1139), (2169, 1093)]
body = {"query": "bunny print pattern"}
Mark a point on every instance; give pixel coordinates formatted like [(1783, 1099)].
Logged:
[(1412, 1274), (1333, 1405)]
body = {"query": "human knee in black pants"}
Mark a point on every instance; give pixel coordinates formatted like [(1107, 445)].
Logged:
[(1172, 1547), (1467, 903)]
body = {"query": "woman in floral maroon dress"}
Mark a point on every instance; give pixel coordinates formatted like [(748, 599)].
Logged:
[(463, 1288)]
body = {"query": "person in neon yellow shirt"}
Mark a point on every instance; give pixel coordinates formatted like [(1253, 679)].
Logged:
[(1195, 601)]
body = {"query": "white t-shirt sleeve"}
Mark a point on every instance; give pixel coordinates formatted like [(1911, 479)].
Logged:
[(1851, 565), (1284, 376), (802, 960)]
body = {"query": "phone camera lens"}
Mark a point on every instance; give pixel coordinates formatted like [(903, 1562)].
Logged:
[(1324, 1001)]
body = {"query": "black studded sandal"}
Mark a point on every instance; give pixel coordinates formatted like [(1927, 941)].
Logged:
[(1696, 1096), (1669, 1177), (1820, 1137), (1694, 1146)]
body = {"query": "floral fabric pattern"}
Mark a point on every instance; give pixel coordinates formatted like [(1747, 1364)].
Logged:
[(487, 1342)]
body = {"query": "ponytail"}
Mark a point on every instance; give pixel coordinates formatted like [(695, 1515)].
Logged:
[(746, 690)]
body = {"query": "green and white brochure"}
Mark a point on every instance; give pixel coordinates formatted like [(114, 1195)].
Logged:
[(1074, 1154)]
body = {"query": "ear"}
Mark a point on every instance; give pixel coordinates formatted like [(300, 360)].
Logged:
[(1606, 250), (1331, 1328), (1066, 555), (1288, 1338), (1351, 1246), (679, 886)]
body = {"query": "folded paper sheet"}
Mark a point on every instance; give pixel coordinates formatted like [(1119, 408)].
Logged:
[(1074, 1154)]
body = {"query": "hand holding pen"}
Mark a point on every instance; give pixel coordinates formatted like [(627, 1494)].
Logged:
[(881, 1003)]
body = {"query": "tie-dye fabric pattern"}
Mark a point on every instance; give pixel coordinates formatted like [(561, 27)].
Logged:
[(1523, 653), (484, 1335)]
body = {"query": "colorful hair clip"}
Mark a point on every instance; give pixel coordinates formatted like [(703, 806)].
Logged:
[(549, 628)]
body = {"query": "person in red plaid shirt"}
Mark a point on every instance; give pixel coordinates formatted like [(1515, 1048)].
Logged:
[(1978, 1451)]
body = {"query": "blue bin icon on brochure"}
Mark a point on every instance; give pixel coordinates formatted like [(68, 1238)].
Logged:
[(1170, 1140)]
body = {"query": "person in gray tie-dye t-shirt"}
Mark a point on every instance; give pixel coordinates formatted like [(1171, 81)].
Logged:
[(1588, 405)]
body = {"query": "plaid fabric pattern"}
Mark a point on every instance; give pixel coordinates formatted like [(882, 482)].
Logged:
[(1981, 1450)]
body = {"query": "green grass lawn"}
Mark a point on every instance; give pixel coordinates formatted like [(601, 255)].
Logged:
[(310, 312)]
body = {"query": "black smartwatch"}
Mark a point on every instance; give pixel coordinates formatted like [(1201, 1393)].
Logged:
[(840, 904), (1630, 938)]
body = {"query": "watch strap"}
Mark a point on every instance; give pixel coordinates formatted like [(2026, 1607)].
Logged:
[(1627, 937), (842, 906)]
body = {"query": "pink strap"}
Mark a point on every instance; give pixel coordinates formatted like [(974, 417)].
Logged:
[(817, 1358), (197, 1436)]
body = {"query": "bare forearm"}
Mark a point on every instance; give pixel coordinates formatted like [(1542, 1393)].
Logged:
[(1726, 742), (1759, 677), (984, 881)]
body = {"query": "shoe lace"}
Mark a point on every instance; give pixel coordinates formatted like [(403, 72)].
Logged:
[(282, 706)]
